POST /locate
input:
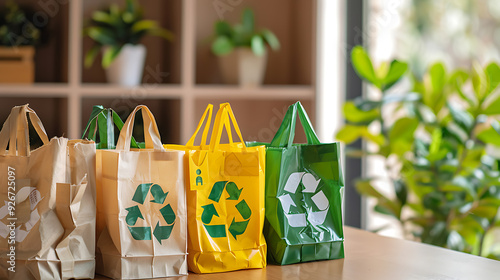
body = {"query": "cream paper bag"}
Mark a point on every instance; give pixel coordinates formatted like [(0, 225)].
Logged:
[(144, 207), (47, 197)]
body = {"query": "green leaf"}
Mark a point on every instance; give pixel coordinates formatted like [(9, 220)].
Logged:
[(382, 208), (271, 39), (375, 138), (128, 17), (459, 184), (490, 135), (248, 21), (437, 74), (458, 79), (110, 53), (91, 55), (143, 25), (114, 10), (355, 115), (401, 135), (463, 118), (101, 35), (401, 191), (222, 28), (365, 187), (396, 71), (350, 133), (131, 4), (363, 65), (222, 46), (479, 81), (493, 74), (161, 32), (493, 108), (485, 211), (102, 17), (403, 128), (258, 46)]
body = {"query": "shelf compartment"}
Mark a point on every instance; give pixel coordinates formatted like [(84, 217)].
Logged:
[(51, 55), (293, 64), (162, 65)]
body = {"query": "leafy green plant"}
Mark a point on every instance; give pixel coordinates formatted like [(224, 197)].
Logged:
[(244, 34), (115, 27), (438, 137), (15, 28)]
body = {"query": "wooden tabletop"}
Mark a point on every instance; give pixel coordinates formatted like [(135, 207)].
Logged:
[(371, 256)]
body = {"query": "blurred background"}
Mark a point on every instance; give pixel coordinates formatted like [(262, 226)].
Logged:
[(64, 54)]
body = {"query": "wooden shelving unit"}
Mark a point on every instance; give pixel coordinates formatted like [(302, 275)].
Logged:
[(65, 91)]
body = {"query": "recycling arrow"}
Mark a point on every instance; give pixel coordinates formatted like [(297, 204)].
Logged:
[(208, 213), (140, 233), (319, 199), (158, 194), (286, 202), (133, 214), (233, 191), (168, 214), (243, 209), (141, 192), (162, 232), (217, 190), (235, 228)]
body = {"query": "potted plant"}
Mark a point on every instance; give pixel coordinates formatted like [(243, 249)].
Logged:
[(117, 34), (439, 139), (242, 50), (18, 35)]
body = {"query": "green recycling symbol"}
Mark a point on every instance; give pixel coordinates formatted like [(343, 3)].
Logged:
[(318, 198), (235, 228), (134, 213)]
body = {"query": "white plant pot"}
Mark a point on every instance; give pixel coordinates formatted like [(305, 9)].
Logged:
[(243, 67), (126, 69)]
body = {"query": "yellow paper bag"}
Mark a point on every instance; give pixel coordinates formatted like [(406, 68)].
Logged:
[(225, 199)]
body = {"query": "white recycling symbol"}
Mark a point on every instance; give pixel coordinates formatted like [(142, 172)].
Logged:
[(24, 193), (310, 186)]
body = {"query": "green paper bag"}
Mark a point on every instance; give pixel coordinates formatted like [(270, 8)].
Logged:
[(102, 123), (304, 186)]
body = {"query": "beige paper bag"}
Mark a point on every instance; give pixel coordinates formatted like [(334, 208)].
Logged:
[(143, 207), (51, 191)]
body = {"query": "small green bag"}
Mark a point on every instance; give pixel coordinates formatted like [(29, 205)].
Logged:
[(304, 188), (102, 122)]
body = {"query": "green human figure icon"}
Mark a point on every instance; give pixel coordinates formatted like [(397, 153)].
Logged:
[(199, 180)]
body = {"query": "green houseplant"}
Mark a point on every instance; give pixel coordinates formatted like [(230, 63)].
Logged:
[(439, 139), (242, 50), (18, 36), (117, 33)]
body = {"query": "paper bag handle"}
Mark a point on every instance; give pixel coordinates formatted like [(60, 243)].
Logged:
[(207, 115), (224, 118), (151, 133), (15, 131), (286, 133)]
